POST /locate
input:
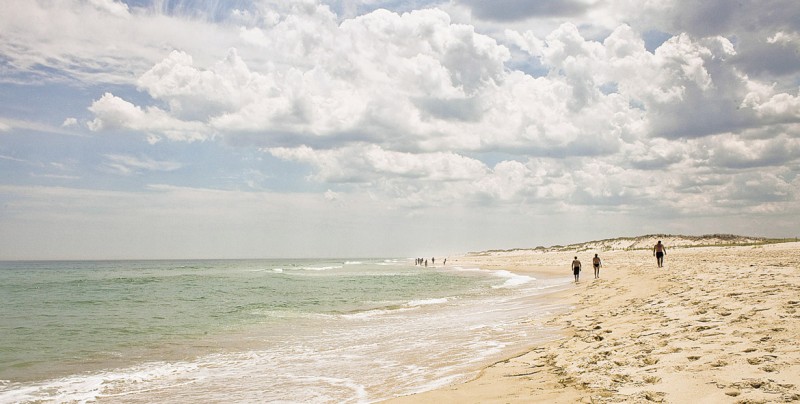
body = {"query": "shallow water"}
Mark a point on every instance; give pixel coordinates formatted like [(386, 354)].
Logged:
[(261, 330)]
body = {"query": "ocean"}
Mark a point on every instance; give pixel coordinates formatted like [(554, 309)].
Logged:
[(281, 331)]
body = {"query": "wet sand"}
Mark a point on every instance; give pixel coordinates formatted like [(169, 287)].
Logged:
[(716, 324)]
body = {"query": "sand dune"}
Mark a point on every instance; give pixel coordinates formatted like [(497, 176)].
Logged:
[(716, 324), (641, 243)]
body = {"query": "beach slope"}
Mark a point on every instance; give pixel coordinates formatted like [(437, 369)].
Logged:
[(716, 324)]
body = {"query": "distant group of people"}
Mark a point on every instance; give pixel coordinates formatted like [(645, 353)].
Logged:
[(424, 261), (659, 251)]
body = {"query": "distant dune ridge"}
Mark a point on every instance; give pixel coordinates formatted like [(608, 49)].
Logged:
[(646, 242)]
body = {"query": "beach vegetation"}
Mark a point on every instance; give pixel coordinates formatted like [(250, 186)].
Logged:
[(646, 242)]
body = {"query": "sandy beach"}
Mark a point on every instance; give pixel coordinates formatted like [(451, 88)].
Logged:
[(716, 324)]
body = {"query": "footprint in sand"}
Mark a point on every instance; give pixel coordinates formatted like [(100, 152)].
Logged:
[(651, 379), (654, 396), (649, 361), (769, 368), (719, 364)]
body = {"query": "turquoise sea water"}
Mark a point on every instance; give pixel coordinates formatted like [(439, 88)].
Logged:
[(257, 330)]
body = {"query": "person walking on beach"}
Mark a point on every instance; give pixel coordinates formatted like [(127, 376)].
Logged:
[(576, 269), (597, 264), (659, 250)]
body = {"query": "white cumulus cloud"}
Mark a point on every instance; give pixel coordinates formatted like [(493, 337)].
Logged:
[(112, 112)]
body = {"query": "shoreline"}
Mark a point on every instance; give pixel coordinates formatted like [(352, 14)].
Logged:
[(314, 350), (716, 324)]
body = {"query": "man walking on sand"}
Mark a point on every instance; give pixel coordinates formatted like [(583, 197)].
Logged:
[(659, 250), (597, 264), (576, 269)]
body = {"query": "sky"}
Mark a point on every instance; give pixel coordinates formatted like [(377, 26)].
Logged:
[(389, 128)]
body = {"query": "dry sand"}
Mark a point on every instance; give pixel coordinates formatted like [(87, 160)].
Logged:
[(716, 324)]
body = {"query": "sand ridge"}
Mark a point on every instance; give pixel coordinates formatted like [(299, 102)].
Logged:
[(716, 324)]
